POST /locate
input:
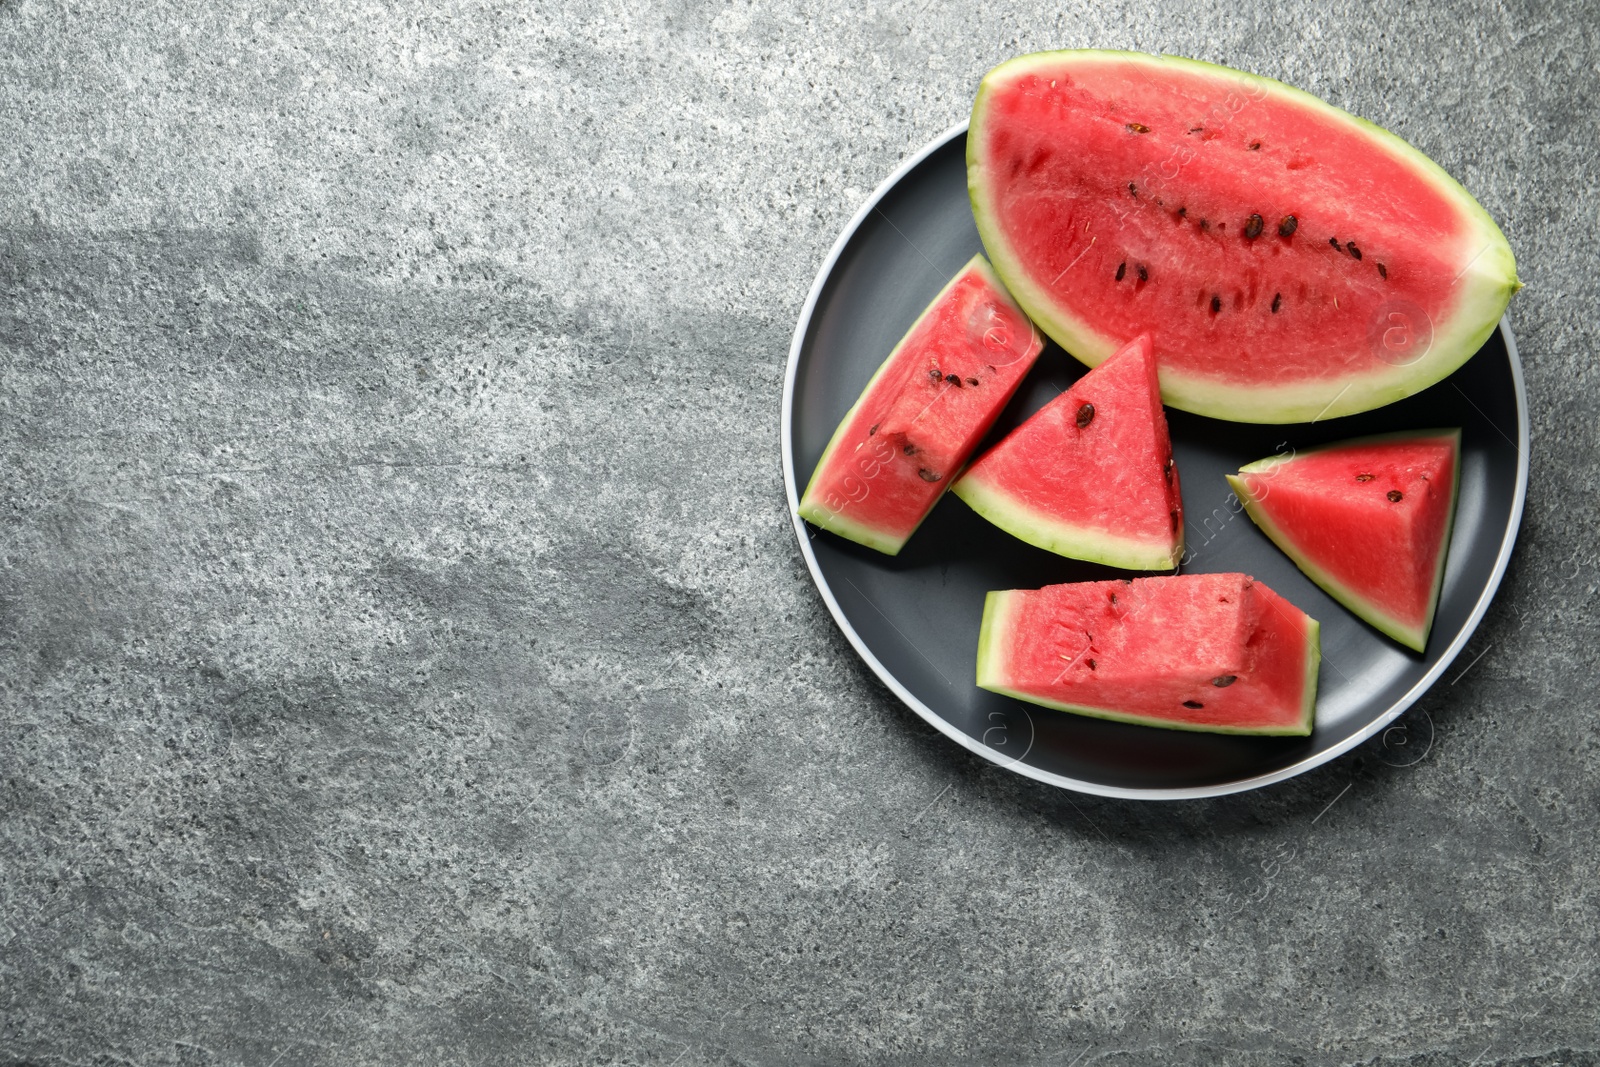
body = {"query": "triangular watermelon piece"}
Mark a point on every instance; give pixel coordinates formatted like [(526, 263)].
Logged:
[(1090, 475), (1368, 520)]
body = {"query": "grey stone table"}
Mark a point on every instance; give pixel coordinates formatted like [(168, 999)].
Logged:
[(404, 652)]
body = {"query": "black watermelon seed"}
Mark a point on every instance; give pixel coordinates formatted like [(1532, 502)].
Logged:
[(1144, 275), (910, 450), (1196, 129), (1085, 415), (1353, 250), (1364, 477), (1383, 272), (1133, 190), (1204, 224), (873, 430), (1395, 496), (1183, 212), (1252, 227), (927, 475), (1216, 303), (1113, 598), (1277, 302), (1122, 268), (1138, 127), (1174, 515), (972, 381), (1287, 225), (1255, 146), (1090, 662), (1195, 704), (954, 378), (1334, 241), (1222, 681), (934, 374)]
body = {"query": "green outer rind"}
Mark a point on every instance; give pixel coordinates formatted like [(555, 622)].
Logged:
[(991, 648), (1490, 279), (1064, 539), (1412, 637), (813, 510)]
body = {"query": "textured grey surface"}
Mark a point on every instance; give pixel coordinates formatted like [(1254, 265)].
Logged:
[(404, 653)]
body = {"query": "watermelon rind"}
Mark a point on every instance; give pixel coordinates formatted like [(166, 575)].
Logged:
[(814, 510), (1065, 539), (991, 634), (1488, 281), (818, 514), (1413, 637), (991, 656)]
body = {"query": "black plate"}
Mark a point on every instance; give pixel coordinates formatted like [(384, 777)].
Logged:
[(914, 618)]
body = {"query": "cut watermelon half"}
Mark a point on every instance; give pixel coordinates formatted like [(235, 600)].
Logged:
[(1368, 520), (1291, 261), (1214, 652), (923, 412), (1090, 475)]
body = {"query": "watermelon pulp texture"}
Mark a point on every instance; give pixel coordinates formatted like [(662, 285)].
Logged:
[(1090, 475), (1291, 261), (923, 413), (1215, 652), (1368, 520)]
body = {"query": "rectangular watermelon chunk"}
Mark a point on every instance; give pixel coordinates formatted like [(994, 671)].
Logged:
[(924, 411), (1215, 652)]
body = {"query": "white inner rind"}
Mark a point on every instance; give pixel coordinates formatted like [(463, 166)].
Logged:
[(1065, 539)]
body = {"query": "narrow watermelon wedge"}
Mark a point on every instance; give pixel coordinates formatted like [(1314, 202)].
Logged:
[(1291, 261), (1369, 520), (923, 413), (1089, 475), (1215, 652)]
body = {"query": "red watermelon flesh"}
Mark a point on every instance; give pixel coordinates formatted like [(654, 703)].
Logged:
[(1368, 520), (922, 413), (1118, 193), (1214, 652), (1090, 475)]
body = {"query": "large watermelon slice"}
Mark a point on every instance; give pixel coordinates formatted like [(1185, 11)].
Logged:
[(1089, 475), (1368, 520), (1291, 261), (923, 413), (1218, 652)]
